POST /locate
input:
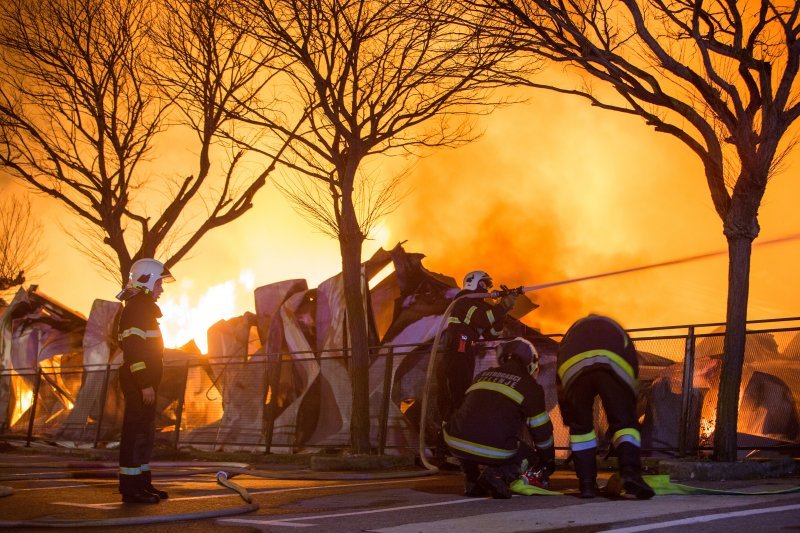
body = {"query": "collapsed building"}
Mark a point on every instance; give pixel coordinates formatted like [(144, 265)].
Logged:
[(277, 379)]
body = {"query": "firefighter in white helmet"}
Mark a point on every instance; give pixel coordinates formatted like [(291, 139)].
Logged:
[(139, 376), (471, 319), (485, 430), (596, 357)]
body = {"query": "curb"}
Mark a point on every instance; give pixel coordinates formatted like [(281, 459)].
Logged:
[(693, 470)]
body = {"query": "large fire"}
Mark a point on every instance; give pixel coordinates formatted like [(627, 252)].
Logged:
[(24, 397), (187, 318), (189, 311)]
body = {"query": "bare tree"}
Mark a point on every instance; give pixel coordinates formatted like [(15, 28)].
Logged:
[(719, 76), (374, 78), (20, 242), (90, 90)]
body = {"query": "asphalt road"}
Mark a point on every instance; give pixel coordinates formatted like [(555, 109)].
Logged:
[(432, 503)]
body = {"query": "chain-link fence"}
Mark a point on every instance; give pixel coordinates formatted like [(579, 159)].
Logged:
[(298, 401)]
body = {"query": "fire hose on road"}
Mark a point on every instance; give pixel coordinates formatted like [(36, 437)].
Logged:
[(224, 473), (222, 479)]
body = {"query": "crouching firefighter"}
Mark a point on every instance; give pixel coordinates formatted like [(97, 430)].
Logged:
[(485, 430), (470, 320), (596, 357), (139, 377)]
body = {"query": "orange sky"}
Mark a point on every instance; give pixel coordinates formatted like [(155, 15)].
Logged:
[(554, 190)]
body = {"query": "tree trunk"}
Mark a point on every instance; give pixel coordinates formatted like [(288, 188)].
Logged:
[(350, 240), (739, 249)]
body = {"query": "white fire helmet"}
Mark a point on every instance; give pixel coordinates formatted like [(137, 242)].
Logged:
[(472, 280), (145, 273), (523, 350)]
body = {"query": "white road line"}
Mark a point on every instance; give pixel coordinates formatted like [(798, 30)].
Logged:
[(83, 486), (702, 519), (293, 522), (112, 505)]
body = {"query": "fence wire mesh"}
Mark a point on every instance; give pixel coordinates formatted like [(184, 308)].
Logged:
[(299, 401)]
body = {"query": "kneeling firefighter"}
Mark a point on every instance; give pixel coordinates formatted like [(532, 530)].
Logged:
[(485, 430), (596, 357)]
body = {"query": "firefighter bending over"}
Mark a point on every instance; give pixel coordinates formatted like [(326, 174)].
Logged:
[(139, 377), (485, 430), (597, 357)]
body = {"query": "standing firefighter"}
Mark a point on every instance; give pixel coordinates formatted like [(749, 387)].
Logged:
[(486, 429), (139, 377), (597, 357), (470, 320)]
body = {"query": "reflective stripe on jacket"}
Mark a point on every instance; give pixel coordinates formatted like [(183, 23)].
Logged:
[(596, 342), (140, 339)]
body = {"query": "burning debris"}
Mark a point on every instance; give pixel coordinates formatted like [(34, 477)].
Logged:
[(278, 378)]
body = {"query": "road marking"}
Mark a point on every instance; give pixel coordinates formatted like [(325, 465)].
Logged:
[(112, 505), (82, 486), (293, 522), (701, 519), (603, 513)]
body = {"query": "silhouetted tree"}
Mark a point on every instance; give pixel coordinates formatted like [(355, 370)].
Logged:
[(94, 95), (374, 78), (719, 76), (20, 242)]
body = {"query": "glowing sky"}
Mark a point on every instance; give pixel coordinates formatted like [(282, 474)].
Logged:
[(553, 190)]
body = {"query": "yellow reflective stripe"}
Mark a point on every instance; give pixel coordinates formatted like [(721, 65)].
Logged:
[(133, 331), (130, 471), (490, 316), (477, 449), (145, 468), (538, 420), (496, 332), (611, 356), (471, 311), (584, 437), (453, 320), (573, 366), (631, 435), (505, 390), (545, 443), (135, 367), (585, 441), (145, 334)]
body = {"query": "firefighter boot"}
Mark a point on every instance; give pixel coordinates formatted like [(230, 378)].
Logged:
[(472, 486), (147, 483), (494, 480), (630, 471), (132, 490), (586, 470)]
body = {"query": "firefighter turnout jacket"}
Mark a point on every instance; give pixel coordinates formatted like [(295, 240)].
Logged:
[(596, 342), (141, 342), (597, 358), (499, 403), (470, 320)]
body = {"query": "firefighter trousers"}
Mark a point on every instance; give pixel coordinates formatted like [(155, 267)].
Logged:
[(619, 404), (138, 436)]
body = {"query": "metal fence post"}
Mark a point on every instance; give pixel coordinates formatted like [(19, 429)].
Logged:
[(688, 391), (271, 407), (387, 390), (33, 406), (179, 408), (103, 399)]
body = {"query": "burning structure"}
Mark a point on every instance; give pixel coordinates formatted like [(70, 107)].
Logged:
[(277, 380)]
